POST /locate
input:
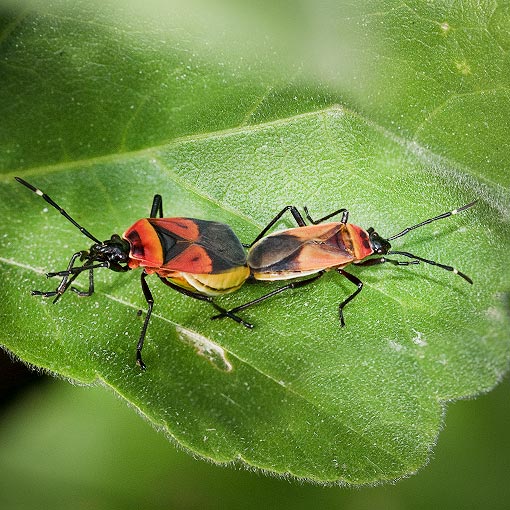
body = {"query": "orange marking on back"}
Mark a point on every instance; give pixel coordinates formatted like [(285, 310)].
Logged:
[(302, 250), (320, 232), (193, 259), (146, 249), (360, 242), (321, 256), (185, 228)]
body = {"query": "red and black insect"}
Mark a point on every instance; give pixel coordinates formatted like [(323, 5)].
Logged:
[(198, 258), (314, 249)]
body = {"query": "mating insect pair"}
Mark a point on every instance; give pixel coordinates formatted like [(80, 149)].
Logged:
[(203, 259)]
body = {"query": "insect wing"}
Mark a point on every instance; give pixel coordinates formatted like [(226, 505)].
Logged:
[(301, 250), (198, 246)]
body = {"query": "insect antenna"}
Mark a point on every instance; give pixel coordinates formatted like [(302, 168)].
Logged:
[(426, 222), (430, 220), (432, 263), (50, 201)]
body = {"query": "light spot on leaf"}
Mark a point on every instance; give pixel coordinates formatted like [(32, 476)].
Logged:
[(205, 347), (418, 338), (445, 27), (463, 67), (393, 344)]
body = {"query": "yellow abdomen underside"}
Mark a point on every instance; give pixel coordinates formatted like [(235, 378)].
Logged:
[(212, 284)]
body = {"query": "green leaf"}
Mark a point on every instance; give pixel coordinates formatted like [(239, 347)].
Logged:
[(401, 118)]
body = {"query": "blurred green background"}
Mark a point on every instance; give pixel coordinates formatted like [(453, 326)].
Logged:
[(65, 447)]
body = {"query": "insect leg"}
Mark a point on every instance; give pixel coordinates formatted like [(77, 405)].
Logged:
[(157, 207), (60, 290), (294, 211), (356, 281), (64, 283), (90, 290), (299, 220), (345, 216), (209, 299), (150, 303), (292, 285), (74, 271)]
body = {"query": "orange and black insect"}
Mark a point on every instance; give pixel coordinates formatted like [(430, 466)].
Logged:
[(314, 249), (198, 258)]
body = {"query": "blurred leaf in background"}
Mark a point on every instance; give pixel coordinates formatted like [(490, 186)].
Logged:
[(231, 111)]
